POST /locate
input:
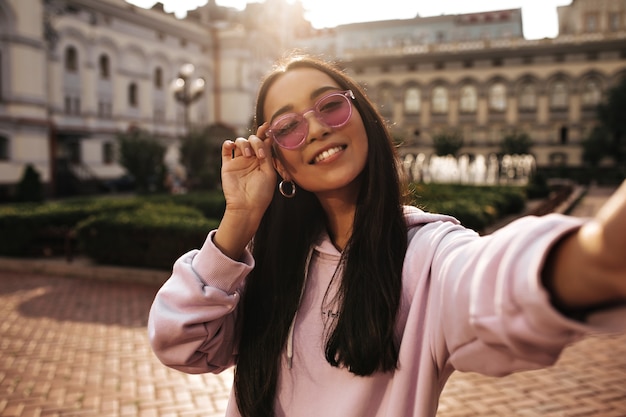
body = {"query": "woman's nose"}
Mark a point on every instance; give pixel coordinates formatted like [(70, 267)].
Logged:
[(317, 128)]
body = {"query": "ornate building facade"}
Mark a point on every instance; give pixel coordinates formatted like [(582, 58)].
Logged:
[(74, 73), (478, 76)]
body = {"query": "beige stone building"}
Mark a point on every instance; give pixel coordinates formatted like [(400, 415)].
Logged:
[(74, 73), (481, 78)]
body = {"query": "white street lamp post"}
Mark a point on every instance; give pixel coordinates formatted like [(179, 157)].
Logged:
[(187, 90)]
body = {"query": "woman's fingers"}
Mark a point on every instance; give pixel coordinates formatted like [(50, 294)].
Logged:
[(228, 149), (255, 145)]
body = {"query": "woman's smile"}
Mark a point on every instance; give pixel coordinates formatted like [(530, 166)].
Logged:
[(328, 154)]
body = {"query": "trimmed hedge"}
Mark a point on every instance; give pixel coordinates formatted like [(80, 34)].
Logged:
[(46, 229), (153, 231), (476, 207), (42, 229), (211, 204), (151, 235)]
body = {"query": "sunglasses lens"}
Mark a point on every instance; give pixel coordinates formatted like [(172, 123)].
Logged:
[(334, 110), (289, 131)]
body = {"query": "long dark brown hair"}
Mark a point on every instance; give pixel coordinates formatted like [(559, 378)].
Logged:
[(362, 339)]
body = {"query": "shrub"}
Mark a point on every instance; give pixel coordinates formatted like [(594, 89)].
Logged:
[(37, 229), (142, 156), (30, 188), (475, 207), (538, 186), (212, 203), (447, 143), (200, 153), (516, 143), (152, 235)]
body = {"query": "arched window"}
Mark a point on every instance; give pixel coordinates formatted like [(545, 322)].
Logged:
[(440, 99), (158, 78), (559, 95), (104, 66), (469, 99), (71, 59), (133, 100), (527, 97), (497, 97), (592, 93), (412, 100), (4, 148)]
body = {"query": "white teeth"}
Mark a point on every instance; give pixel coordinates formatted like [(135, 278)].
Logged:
[(327, 153)]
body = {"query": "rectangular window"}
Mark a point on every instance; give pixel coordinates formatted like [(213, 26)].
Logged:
[(108, 153), (104, 109), (615, 21), (1, 76), (591, 22), (68, 105), (159, 115), (74, 152), (4, 148)]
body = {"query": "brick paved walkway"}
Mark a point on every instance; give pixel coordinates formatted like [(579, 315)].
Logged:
[(78, 348)]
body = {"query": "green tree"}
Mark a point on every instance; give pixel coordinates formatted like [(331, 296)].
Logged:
[(448, 143), (611, 116), (30, 188), (596, 146), (143, 157), (201, 155), (516, 143)]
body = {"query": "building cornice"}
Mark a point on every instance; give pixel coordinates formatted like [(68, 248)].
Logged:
[(416, 21), (22, 40), (596, 42), (148, 18)]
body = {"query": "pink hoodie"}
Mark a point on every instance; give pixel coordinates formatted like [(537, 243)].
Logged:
[(469, 303)]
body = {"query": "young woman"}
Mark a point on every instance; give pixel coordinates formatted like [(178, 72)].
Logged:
[(332, 298)]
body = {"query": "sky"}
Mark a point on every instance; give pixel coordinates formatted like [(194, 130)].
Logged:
[(539, 16)]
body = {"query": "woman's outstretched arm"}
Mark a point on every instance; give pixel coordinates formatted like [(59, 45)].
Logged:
[(587, 269)]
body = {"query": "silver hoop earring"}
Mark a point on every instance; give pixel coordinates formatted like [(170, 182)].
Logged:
[(291, 188)]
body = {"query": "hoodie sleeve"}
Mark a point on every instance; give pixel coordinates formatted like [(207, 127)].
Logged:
[(488, 311), (192, 325)]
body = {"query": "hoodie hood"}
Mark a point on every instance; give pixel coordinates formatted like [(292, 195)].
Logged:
[(417, 217), (414, 217)]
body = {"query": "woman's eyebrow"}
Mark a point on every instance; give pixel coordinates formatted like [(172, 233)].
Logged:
[(321, 90), (280, 111), (314, 94)]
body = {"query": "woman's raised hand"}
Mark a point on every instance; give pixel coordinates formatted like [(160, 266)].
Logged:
[(248, 181)]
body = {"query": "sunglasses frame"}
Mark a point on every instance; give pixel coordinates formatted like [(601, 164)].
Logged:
[(347, 94)]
